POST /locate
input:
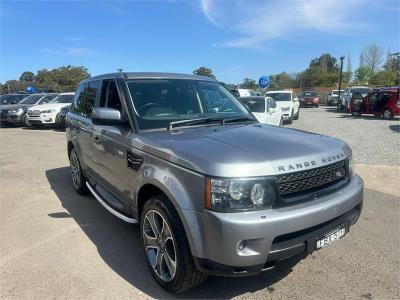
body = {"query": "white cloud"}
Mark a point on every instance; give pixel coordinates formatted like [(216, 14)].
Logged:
[(68, 51), (259, 21)]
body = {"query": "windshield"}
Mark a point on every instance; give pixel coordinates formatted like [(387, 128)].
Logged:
[(47, 99), (309, 94), (63, 99), (335, 92), (363, 91), (7, 99), (32, 99), (279, 96), (158, 102), (256, 105)]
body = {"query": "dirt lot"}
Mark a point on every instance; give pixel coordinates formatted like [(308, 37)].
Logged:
[(56, 244)]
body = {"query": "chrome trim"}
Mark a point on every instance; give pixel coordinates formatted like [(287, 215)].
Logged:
[(109, 208)]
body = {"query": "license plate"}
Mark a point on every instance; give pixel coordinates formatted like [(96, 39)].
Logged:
[(330, 237)]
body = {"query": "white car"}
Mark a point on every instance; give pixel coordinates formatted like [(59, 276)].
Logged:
[(48, 113), (264, 109), (246, 92), (288, 102)]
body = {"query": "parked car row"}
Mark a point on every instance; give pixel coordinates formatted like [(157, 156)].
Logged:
[(36, 110)]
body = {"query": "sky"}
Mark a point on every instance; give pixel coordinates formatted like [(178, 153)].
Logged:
[(236, 39)]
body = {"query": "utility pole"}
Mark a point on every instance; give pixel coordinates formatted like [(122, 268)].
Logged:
[(340, 82)]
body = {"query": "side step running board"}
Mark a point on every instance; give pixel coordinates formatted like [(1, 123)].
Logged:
[(108, 207)]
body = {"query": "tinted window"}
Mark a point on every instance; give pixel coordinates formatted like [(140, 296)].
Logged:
[(6, 99), (86, 106), (109, 95), (63, 98), (47, 99), (32, 99), (256, 105), (79, 98)]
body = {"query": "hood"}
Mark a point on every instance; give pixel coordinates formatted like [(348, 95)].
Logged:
[(56, 106), (242, 150)]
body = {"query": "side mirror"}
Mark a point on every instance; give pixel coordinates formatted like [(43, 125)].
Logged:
[(107, 116)]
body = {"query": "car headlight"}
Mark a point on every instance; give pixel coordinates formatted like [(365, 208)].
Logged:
[(15, 111), (229, 195), (48, 111)]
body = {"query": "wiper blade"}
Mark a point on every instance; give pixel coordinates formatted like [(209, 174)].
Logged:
[(190, 122), (237, 119)]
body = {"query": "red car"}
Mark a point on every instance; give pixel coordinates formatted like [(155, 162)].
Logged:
[(385, 102), (309, 98)]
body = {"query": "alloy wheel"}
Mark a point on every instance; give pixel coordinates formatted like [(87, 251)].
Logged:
[(159, 245), (387, 114), (75, 170)]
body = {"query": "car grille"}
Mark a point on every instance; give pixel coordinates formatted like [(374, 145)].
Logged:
[(292, 183), (4, 113), (34, 113)]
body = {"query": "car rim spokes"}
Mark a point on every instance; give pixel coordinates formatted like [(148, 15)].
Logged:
[(75, 171), (159, 245)]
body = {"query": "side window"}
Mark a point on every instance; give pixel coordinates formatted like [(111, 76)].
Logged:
[(79, 98), (109, 96), (90, 99), (272, 103)]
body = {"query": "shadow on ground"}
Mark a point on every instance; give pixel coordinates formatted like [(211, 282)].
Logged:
[(118, 244), (395, 128)]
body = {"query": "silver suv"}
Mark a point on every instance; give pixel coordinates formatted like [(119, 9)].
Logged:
[(214, 191)]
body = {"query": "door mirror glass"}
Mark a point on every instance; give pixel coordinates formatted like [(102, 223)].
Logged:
[(107, 116)]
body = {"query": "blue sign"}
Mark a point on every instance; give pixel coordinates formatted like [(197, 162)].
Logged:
[(263, 82), (31, 89)]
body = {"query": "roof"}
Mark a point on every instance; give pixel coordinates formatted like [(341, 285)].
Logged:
[(152, 75)]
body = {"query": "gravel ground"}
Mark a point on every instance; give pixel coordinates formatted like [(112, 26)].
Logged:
[(373, 140), (57, 244)]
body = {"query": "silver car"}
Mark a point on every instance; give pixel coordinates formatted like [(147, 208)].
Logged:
[(213, 190)]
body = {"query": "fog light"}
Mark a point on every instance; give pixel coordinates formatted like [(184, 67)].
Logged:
[(241, 245)]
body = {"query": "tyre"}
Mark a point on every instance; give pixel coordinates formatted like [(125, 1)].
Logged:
[(355, 114), (166, 247), (25, 121), (296, 117), (388, 114), (77, 176)]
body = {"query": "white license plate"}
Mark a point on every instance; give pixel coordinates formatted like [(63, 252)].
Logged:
[(330, 237)]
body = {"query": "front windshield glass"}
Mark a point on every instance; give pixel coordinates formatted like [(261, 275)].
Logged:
[(62, 99), (256, 105), (32, 99), (158, 102), (279, 96), (309, 94), (47, 99), (7, 99)]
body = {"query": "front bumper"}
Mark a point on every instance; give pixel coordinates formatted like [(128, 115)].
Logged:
[(14, 118), (42, 119), (270, 235)]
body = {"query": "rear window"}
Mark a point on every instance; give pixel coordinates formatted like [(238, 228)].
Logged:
[(309, 94)]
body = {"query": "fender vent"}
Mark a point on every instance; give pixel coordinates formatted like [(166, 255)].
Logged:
[(134, 161)]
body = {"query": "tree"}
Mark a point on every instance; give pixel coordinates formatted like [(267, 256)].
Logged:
[(249, 83), (363, 74), (61, 79), (371, 56), (325, 62), (384, 77), (203, 71), (27, 76)]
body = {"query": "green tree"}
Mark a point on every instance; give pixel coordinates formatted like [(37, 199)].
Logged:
[(249, 83), (203, 71), (27, 76), (14, 86), (363, 74), (325, 62), (384, 77), (61, 79)]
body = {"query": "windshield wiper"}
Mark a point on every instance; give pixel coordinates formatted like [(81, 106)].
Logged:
[(237, 119), (191, 122)]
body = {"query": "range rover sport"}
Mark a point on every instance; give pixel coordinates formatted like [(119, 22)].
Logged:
[(213, 190)]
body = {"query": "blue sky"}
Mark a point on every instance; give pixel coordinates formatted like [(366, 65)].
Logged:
[(236, 39)]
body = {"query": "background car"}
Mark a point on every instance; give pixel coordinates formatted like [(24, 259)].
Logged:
[(333, 97), (11, 98), (16, 113), (47, 113), (309, 98), (288, 102), (264, 109), (385, 102), (60, 120), (348, 93)]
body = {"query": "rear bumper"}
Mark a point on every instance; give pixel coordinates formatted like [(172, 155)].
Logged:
[(269, 235)]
